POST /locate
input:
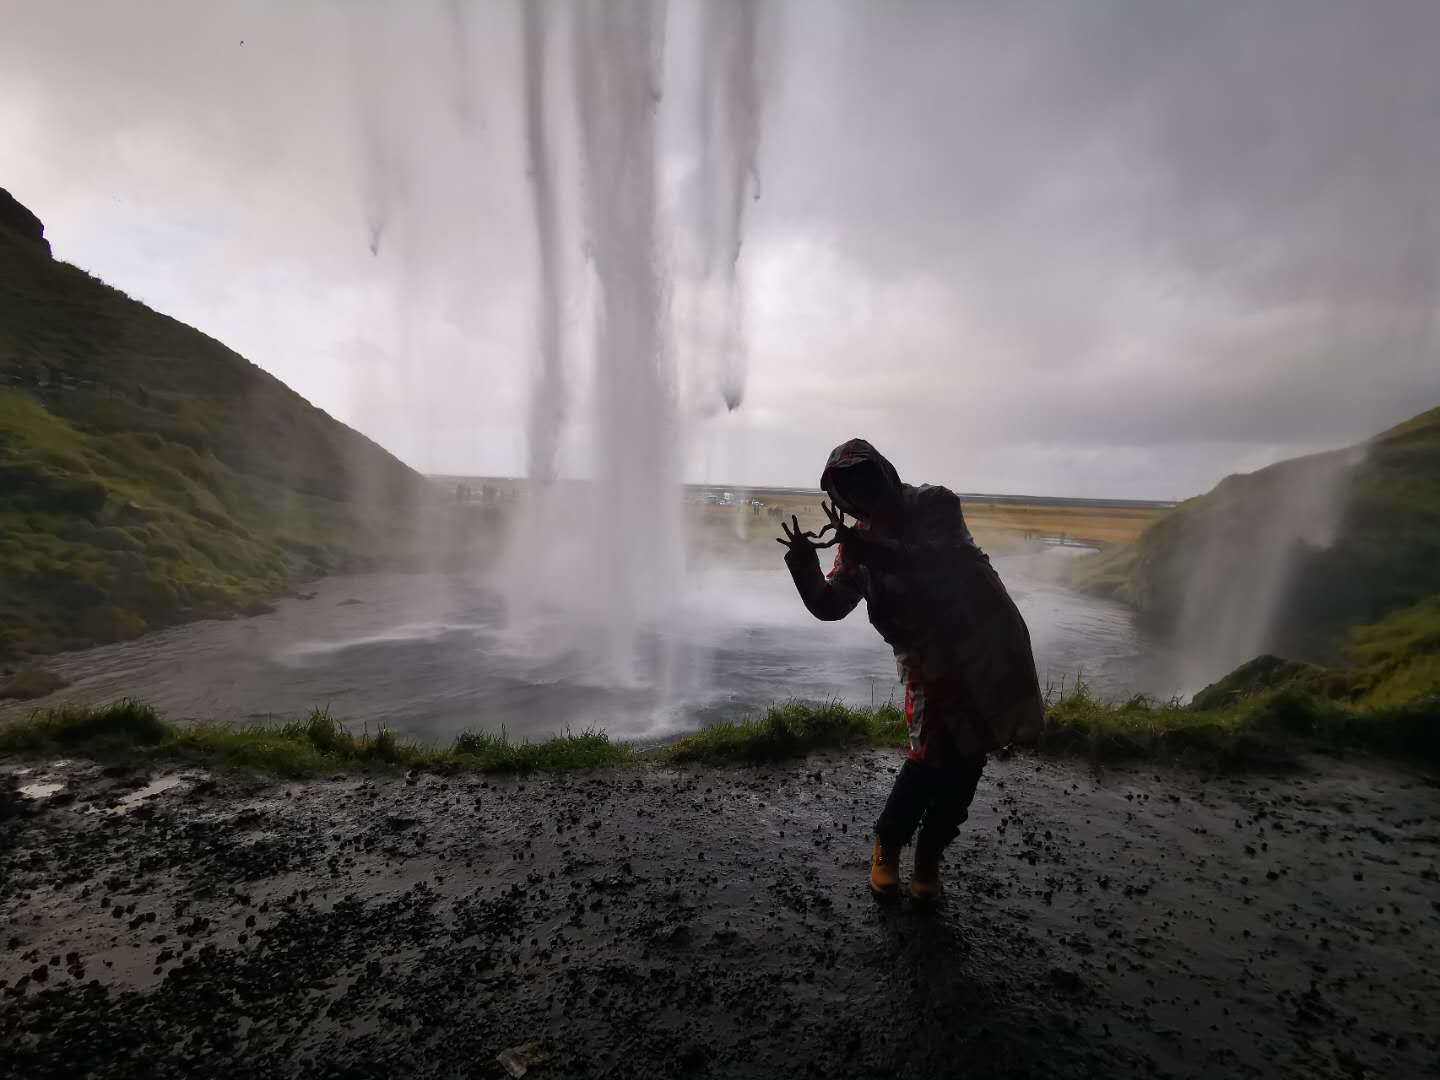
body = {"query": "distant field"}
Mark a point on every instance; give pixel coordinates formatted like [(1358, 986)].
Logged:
[(1083, 524), (995, 525), (999, 522)]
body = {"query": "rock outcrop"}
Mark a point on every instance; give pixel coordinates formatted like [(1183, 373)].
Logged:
[(16, 216)]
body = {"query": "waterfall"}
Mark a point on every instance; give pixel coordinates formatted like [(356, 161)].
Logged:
[(547, 400), (597, 566), (728, 122)]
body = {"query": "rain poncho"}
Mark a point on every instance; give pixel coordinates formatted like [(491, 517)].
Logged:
[(961, 645)]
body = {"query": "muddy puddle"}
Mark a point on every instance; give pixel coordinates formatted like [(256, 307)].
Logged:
[(716, 923)]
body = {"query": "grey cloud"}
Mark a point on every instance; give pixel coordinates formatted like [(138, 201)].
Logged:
[(1164, 240)]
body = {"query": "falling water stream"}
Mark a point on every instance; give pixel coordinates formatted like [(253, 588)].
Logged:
[(597, 566)]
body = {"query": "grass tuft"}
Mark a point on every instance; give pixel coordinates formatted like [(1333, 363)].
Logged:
[(497, 753), (68, 727), (1264, 727), (1267, 727), (310, 746), (791, 730)]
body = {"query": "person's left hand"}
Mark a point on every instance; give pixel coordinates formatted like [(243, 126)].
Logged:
[(835, 519)]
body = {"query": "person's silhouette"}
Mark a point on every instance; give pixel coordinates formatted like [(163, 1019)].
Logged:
[(961, 646)]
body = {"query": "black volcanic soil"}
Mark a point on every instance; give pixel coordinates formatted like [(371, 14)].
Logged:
[(658, 923)]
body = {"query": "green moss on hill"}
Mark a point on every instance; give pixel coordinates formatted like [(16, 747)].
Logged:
[(1397, 658), (150, 475), (30, 684), (1389, 663)]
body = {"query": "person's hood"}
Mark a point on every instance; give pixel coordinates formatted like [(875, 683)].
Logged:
[(854, 452)]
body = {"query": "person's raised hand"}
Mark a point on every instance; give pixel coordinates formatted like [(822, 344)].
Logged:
[(796, 539), (835, 519)]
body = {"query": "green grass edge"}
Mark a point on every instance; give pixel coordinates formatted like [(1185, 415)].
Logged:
[(1267, 729)]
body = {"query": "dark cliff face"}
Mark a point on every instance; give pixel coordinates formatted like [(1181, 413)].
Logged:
[(17, 217)]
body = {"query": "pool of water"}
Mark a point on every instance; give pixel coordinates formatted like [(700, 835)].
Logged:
[(430, 655)]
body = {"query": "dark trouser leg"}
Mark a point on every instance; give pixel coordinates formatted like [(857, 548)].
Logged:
[(909, 798), (953, 790)]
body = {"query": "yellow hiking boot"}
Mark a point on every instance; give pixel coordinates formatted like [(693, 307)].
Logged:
[(884, 871), (925, 883)]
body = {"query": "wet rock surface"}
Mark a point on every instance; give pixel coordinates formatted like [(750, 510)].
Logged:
[(716, 923), (17, 216)]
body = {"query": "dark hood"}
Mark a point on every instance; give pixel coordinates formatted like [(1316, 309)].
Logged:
[(854, 452)]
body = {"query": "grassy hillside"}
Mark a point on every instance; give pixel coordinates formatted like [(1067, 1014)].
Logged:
[(1345, 538), (150, 475)]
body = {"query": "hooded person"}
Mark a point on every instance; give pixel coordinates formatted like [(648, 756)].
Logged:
[(961, 646)]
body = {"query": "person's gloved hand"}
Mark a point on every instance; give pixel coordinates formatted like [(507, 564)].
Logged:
[(795, 539)]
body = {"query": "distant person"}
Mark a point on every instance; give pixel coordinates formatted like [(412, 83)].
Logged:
[(961, 645)]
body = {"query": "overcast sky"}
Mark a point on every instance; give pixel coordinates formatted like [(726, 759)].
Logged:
[(1089, 248)]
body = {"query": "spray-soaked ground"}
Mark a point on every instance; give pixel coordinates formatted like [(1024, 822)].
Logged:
[(431, 655), (716, 922)]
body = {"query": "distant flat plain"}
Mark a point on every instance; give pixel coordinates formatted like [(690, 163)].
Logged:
[(999, 522)]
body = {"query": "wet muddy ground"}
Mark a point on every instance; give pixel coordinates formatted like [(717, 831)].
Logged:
[(658, 923)]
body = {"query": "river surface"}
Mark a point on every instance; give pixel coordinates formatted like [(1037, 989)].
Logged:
[(430, 655)]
